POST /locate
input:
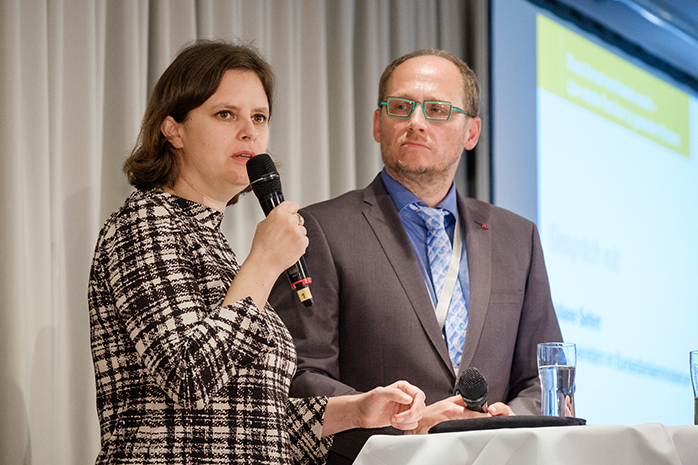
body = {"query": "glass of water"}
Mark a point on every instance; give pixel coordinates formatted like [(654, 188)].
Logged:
[(694, 380), (556, 369)]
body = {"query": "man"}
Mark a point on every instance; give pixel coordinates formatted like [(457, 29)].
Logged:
[(376, 316)]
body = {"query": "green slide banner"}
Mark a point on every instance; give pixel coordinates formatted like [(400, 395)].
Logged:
[(590, 76)]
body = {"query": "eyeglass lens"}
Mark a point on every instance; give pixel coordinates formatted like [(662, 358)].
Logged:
[(401, 108)]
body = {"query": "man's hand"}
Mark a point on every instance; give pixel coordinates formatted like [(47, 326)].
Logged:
[(453, 408)]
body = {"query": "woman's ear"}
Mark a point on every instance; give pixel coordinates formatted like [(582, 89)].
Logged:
[(170, 129)]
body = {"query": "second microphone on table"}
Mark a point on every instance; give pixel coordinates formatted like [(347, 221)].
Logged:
[(266, 184), (473, 389)]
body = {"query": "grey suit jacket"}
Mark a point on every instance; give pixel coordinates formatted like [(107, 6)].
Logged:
[(373, 322)]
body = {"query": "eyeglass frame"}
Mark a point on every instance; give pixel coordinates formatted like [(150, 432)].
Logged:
[(424, 111)]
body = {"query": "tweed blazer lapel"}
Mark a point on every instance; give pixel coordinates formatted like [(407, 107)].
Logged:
[(478, 245), (382, 216)]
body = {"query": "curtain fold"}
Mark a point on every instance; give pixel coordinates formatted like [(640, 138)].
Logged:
[(75, 77)]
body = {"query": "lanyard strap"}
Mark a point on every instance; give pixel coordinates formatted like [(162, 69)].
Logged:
[(451, 276)]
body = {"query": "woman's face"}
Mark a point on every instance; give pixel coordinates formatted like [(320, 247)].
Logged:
[(219, 137)]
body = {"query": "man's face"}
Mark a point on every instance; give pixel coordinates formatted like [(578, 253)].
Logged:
[(417, 150)]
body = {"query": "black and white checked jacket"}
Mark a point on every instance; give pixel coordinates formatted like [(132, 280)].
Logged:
[(179, 378)]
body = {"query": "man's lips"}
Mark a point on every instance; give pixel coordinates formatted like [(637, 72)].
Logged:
[(414, 144)]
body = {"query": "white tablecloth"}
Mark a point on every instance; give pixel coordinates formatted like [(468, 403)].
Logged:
[(649, 444)]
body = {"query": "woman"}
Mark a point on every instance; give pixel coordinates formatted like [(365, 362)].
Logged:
[(191, 363)]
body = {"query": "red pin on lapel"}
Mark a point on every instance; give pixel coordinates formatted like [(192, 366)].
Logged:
[(484, 226)]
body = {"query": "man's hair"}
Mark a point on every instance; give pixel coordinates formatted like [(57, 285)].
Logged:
[(186, 84), (471, 88)]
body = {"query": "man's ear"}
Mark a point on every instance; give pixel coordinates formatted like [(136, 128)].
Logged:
[(474, 127), (377, 125), (170, 129)]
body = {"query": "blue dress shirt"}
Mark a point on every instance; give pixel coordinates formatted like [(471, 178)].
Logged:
[(417, 231)]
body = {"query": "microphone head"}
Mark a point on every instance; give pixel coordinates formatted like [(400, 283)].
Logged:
[(473, 388), (264, 178)]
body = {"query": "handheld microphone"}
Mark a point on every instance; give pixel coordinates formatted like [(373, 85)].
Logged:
[(266, 184), (473, 389)]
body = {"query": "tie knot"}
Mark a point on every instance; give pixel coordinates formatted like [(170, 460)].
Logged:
[(433, 217)]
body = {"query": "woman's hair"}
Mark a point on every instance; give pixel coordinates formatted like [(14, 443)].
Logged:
[(471, 88), (186, 84)]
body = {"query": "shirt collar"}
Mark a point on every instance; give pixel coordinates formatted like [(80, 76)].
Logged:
[(403, 196), (205, 215)]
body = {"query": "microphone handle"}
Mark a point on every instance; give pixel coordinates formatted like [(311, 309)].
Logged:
[(475, 408), (297, 274)]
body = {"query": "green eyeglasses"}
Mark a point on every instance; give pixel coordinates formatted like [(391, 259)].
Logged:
[(438, 112)]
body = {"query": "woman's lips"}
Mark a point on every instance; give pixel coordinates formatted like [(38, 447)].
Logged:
[(244, 155)]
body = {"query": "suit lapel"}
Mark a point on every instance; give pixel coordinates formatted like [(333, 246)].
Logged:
[(478, 245), (382, 216)]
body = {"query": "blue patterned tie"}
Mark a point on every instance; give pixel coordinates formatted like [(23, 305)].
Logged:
[(439, 254)]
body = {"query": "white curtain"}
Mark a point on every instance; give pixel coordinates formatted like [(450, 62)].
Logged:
[(75, 76)]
